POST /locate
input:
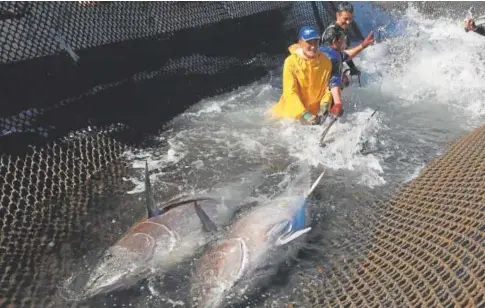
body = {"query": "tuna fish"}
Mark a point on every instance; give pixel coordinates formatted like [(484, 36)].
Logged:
[(169, 235), (254, 246)]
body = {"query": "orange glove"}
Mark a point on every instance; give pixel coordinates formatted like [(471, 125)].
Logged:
[(337, 110)]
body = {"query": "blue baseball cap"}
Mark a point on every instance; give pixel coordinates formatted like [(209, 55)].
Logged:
[(308, 33)]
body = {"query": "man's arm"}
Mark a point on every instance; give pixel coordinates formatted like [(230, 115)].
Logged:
[(480, 30), (336, 95), (335, 83), (357, 49), (351, 53)]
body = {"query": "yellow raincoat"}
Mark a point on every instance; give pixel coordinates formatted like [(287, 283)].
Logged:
[(305, 84)]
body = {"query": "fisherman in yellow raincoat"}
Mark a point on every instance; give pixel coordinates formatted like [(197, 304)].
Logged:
[(306, 77)]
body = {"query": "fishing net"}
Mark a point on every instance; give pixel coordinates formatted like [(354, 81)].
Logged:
[(47, 196), (427, 244)]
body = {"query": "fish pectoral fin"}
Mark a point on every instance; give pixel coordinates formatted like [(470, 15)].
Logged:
[(288, 237), (281, 227), (207, 223)]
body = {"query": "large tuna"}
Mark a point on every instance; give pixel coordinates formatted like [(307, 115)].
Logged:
[(169, 235), (255, 245)]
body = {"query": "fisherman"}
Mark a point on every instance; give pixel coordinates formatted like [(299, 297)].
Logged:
[(337, 53), (306, 75), (477, 26), (345, 17)]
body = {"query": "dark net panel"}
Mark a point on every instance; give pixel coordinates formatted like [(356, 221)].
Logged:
[(45, 201), (199, 53), (303, 13), (35, 29), (109, 75)]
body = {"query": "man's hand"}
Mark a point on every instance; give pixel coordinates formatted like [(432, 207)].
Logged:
[(469, 25), (369, 40), (345, 79), (337, 110), (309, 119)]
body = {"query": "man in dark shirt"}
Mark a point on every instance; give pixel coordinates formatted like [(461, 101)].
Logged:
[(345, 16)]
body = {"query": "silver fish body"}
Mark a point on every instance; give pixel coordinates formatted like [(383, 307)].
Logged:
[(255, 243), (153, 245)]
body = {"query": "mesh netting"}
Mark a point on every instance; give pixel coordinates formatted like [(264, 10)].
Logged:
[(82, 82), (42, 29), (427, 244), (46, 198)]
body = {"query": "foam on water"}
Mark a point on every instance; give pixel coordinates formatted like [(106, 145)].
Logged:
[(432, 62), (232, 133)]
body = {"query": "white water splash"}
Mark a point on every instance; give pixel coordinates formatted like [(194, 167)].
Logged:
[(433, 62)]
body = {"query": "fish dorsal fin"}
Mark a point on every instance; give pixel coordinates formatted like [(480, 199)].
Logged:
[(315, 184), (152, 211), (207, 223)]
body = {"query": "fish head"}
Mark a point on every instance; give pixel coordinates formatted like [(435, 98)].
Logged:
[(242, 260), (217, 272), (292, 223), (158, 242), (117, 270), (128, 261)]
